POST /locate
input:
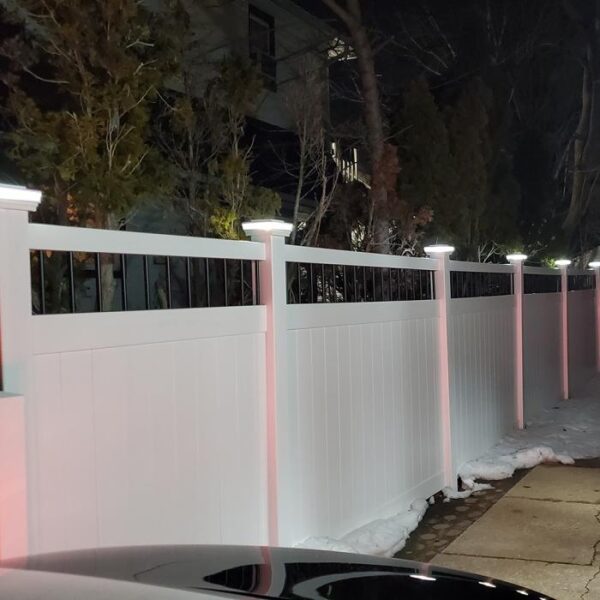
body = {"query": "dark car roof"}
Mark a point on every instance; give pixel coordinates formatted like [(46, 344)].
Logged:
[(284, 573)]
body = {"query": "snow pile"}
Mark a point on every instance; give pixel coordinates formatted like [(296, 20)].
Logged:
[(561, 434), (502, 466), (383, 537), (452, 494)]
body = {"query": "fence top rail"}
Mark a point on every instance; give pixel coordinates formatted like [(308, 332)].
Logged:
[(541, 271), (81, 239), (304, 254), (473, 267)]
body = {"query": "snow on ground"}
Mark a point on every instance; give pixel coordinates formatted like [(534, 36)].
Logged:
[(569, 431), (383, 537)]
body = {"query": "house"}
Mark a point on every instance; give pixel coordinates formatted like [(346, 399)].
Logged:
[(292, 49), (286, 43)]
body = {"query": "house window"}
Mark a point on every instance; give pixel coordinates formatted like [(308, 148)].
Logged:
[(261, 36)]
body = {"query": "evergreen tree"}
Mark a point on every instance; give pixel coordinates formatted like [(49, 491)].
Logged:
[(82, 81), (201, 134), (426, 174), (482, 212)]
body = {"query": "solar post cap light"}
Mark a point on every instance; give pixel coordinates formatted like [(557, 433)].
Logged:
[(595, 264), (439, 249), (562, 262), (267, 225), (516, 258)]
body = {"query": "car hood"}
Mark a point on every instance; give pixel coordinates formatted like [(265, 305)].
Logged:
[(282, 573)]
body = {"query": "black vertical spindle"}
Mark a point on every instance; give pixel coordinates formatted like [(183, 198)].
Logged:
[(207, 281), (168, 274), (99, 282), (255, 287), (42, 283), (124, 280), (188, 280), (225, 281), (242, 302), (71, 282), (146, 282)]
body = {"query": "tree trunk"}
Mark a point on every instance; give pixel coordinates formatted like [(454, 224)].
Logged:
[(377, 223), (586, 144), (299, 186), (579, 144)]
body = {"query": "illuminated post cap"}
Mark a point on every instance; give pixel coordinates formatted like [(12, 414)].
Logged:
[(562, 262), (437, 249), (273, 226), (516, 258)]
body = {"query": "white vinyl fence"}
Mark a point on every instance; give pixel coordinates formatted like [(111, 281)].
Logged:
[(482, 366), (148, 426), (542, 345), (362, 430), (582, 340), (255, 392)]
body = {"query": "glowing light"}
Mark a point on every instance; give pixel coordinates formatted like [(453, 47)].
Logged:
[(595, 264), (423, 577), (439, 249), (486, 584), (516, 257), (268, 225), (562, 262)]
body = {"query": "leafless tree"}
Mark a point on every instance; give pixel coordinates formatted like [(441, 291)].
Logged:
[(586, 140), (350, 13)]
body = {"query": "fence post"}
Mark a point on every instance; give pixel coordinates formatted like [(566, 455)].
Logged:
[(443, 296), (15, 286), (563, 264), (273, 294), (516, 260), (16, 353)]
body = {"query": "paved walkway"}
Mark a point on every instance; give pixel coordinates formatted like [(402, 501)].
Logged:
[(445, 521), (544, 533)]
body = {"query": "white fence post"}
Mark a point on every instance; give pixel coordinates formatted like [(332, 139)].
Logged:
[(273, 294), (15, 286), (443, 296), (564, 306), (16, 353), (517, 261)]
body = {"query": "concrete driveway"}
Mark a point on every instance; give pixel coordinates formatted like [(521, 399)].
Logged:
[(543, 534)]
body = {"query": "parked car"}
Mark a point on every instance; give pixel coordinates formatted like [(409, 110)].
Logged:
[(219, 572)]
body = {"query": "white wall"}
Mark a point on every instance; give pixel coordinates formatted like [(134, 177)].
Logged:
[(155, 437), (541, 352), (481, 348), (582, 340)]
